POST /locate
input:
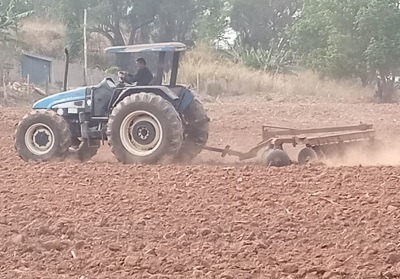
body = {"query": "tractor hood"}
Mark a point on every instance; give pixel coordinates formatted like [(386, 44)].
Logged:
[(74, 95)]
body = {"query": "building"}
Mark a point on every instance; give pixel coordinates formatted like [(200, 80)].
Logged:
[(38, 68)]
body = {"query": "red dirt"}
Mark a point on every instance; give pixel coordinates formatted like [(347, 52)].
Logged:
[(103, 219)]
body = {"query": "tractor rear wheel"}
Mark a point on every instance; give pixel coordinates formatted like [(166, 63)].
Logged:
[(196, 135), (144, 129), (42, 135)]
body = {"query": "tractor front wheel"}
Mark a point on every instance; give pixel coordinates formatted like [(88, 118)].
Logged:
[(144, 129), (42, 135)]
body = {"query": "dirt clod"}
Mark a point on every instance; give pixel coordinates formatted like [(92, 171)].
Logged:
[(18, 239), (132, 260), (393, 258), (205, 232), (114, 247), (53, 245), (79, 245), (290, 268)]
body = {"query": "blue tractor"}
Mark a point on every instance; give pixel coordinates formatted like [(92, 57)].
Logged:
[(142, 124)]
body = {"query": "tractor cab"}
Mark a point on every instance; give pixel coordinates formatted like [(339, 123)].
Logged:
[(162, 49), (107, 94)]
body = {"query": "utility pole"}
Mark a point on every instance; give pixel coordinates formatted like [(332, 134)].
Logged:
[(85, 48)]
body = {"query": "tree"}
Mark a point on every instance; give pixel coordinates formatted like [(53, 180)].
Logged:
[(115, 18), (176, 19), (125, 22), (11, 12), (212, 22), (349, 38), (46, 8), (72, 14), (260, 23)]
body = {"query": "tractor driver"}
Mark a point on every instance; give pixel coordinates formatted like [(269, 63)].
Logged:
[(143, 76)]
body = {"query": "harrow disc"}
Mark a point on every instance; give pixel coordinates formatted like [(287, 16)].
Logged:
[(307, 155), (276, 158)]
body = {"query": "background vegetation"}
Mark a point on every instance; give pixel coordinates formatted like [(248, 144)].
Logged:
[(239, 46)]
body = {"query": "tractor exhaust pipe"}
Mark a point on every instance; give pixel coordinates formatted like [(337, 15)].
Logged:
[(66, 69)]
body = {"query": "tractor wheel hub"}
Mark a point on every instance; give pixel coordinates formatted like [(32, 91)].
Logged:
[(143, 132), (41, 138)]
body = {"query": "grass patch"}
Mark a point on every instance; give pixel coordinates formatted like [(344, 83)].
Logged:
[(215, 76)]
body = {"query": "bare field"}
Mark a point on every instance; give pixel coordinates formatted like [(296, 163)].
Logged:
[(213, 219)]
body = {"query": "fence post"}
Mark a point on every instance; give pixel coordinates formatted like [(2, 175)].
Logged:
[(5, 93), (29, 84), (47, 86), (85, 48), (198, 83)]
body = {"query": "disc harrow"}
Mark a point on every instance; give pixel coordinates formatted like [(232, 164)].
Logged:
[(318, 143)]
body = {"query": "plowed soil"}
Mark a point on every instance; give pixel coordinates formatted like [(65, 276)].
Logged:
[(216, 218)]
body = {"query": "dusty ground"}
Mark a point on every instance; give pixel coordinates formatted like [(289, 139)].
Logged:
[(214, 219)]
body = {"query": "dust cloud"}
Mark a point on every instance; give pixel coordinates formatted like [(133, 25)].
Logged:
[(382, 154)]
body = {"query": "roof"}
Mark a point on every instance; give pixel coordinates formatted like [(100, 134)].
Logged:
[(170, 47), (37, 56)]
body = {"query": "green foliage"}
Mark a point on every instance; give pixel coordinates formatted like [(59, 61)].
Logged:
[(212, 22), (348, 38), (339, 38), (72, 14), (121, 21), (46, 8), (277, 59), (176, 19), (11, 12), (262, 22)]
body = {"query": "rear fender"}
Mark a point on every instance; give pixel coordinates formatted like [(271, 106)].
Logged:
[(162, 91), (186, 97)]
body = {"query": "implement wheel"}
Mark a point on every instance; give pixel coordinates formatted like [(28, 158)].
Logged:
[(307, 155), (276, 158)]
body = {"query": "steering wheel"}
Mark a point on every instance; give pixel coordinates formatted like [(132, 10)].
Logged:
[(122, 76)]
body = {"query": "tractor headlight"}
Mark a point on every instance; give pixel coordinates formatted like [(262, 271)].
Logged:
[(60, 112)]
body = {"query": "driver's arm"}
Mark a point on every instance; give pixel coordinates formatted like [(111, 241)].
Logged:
[(131, 78)]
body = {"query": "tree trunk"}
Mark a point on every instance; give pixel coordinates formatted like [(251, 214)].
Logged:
[(167, 30), (385, 86), (364, 81)]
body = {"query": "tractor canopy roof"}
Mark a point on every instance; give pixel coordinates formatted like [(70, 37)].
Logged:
[(161, 47)]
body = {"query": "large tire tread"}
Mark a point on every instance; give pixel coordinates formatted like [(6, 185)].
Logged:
[(197, 135), (63, 131), (174, 131)]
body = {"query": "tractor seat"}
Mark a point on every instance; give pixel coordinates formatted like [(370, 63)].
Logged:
[(152, 81)]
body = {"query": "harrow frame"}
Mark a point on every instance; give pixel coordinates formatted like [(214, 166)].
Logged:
[(274, 137)]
